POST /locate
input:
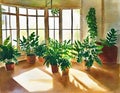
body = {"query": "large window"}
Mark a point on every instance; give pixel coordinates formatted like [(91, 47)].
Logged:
[(18, 22)]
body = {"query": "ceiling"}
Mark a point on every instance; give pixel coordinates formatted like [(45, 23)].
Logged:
[(42, 3)]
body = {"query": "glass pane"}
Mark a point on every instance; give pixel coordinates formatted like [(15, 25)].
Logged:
[(3, 21), (41, 23), (22, 10), (13, 22), (66, 19), (23, 22), (12, 10), (41, 12), (53, 23), (23, 33), (3, 35), (14, 37), (4, 8), (76, 35), (66, 35), (7, 21), (41, 34), (76, 19), (54, 34), (32, 22), (31, 12)]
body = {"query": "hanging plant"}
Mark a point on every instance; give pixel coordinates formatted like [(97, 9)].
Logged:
[(55, 11)]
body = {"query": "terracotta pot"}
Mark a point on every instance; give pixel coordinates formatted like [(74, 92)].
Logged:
[(41, 59), (109, 54), (54, 68), (31, 59), (10, 66), (65, 72)]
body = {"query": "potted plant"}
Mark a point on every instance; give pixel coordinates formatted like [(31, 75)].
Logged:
[(52, 55), (57, 53), (40, 51), (28, 45), (92, 24), (87, 51), (109, 54), (8, 54)]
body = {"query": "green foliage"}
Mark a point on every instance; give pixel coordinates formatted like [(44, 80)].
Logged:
[(111, 38), (54, 11), (29, 44), (8, 53), (56, 52), (40, 50), (87, 51), (92, 24)]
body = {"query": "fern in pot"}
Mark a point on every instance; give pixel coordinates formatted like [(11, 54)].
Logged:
[(110, 50), (8, 54)]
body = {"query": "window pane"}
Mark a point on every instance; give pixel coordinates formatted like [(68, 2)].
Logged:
[(14, 37), (66, 35), (66, 19), (40, 12), (76, 19), (53, 23), (76, 35), (32, 22), (31, 12), (13, 22), (41, 34), (7, 21), (12, 10), (23, 33), (4, 8), (54, 34), (41, 23), (23, 22), (3, 21), (3, 35), (22, 10)]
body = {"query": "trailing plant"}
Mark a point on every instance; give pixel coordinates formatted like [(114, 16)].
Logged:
[(111, 38), (92, 24), (8, 53)]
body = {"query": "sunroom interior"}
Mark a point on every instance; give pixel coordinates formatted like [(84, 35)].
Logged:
[(20, 18)]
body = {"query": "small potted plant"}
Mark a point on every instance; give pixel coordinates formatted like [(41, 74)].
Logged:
[(28, 45), (87, 51), (8, 54), (109, 54), (40, 51)]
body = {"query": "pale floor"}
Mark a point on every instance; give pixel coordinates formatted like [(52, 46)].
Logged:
[(103, 79)]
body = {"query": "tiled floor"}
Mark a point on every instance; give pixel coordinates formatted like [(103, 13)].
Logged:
[(104, 79)]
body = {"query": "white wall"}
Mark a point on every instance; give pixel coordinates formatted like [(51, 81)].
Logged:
[(112, 19)]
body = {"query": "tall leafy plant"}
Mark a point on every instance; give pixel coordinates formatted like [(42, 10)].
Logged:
[(92, 24)]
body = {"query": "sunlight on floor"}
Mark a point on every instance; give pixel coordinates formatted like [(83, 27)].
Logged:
[(85, 82), (35, 80)]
